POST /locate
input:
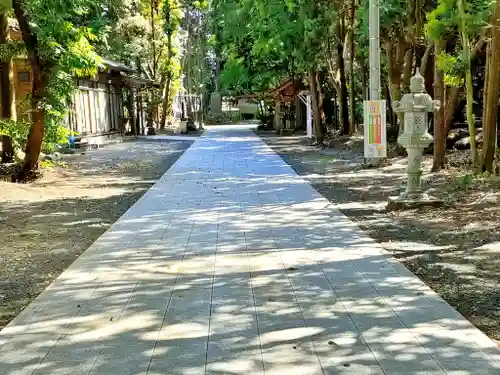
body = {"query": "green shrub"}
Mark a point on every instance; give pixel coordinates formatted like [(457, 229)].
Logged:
[(55, 135), (47, 164), (18, 131), (222, 118), (463, 181)]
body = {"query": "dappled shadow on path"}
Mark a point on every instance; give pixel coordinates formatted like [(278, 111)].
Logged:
[(454, 249), (244, 270), (44, 226)]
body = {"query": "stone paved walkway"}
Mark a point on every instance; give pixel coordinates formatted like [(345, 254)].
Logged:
[(231, 264)]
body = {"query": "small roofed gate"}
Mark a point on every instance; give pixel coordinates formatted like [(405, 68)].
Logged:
[(286, 104), (96, 109)]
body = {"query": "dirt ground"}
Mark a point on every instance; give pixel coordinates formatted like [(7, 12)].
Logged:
[(454, 249), (46, 225)]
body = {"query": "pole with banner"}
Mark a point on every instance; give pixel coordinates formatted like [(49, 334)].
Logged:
[(375, 129), (374, 109)]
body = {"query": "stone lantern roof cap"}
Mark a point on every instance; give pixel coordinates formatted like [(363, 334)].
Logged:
[(417, 83)]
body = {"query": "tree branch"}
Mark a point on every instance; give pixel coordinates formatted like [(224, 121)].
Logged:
[(477, 48), (425, 59)]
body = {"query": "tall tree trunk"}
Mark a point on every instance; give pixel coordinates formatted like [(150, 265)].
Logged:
[(7, 91), (298, 113), (450, 107), (491, 95), (132, 111), (364, 81), (166, 102), (427, 70), (352, 103), (335, 110), (396, 53), (394, 78), (40, 83), (166, 96), (159, 97), (393, 72), (393, 119), (468, 81), (153, 36), (407, 69), (439, 120), (7, 75), (343, 95), (318, 125), (321, 99)]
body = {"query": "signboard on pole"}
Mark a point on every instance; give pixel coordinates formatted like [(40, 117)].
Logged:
[(309, 118), (375, 124)]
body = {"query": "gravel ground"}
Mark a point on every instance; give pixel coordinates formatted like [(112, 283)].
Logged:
[(454, 249), (46, 225)]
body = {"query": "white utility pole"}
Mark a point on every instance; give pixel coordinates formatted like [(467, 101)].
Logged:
[(374, 52), (305, 97), (374, 59), (309, 117)]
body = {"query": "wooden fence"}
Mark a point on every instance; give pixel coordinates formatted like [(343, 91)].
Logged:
[(96, 109)]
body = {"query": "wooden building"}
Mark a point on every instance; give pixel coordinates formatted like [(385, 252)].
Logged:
[(109, 104)]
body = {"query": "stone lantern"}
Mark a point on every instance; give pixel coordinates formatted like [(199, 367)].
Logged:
[(415, 138)]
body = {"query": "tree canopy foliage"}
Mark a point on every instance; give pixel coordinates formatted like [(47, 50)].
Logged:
[(262, 42), (250, 46)]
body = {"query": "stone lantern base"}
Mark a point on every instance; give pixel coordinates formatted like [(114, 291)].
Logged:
[(415, 201)]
